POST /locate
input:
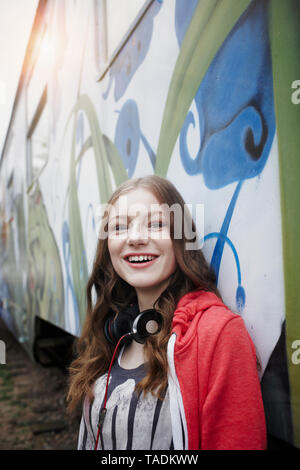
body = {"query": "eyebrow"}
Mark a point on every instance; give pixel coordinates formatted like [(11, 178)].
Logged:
[(130, 217)]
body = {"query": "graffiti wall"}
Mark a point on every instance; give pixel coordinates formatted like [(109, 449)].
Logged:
[(200, 92)]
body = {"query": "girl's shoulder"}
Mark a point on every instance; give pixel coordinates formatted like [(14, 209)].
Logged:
[(202, 305), (202, 314)]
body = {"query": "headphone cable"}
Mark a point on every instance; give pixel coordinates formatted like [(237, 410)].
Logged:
[(103, 409)]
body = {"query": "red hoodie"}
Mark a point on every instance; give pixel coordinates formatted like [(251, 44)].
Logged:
[(215, 394)]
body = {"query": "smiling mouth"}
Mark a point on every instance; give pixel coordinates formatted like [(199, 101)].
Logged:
[(140, 259)]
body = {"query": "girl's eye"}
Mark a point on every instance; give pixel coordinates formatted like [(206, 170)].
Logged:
[(157, 224), (120, 227)]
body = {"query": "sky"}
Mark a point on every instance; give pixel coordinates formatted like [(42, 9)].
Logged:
[(16, 19)]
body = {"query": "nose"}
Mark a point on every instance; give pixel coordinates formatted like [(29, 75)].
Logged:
[(137, 235)]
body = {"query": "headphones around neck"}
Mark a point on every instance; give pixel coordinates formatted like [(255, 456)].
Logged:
[(130, 323), (133, 323)]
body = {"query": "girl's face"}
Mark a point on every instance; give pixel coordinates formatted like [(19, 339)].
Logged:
[(139, 242)]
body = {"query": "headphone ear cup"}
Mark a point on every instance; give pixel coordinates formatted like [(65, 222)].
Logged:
[(108, 330), (117, 326), (147, 323), (140, 325)]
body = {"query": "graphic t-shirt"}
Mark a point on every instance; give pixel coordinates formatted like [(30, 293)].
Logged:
[(132, 421)]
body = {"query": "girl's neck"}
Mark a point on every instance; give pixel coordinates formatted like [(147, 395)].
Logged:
[(133, 356), (146, 298)]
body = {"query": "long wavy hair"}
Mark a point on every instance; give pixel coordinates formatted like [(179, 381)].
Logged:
[(106, 292)]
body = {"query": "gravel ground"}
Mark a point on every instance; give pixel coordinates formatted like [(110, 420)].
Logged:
[(32, 403)]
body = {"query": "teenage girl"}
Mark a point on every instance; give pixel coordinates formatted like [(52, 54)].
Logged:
[(191, 381)]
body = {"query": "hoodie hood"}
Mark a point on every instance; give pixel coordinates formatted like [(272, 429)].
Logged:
[(189, 311)]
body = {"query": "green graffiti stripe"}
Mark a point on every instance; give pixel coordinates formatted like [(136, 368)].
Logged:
[(79, 267), (88, 144), (105, 150), (115, 161), (212, 22), (84, 104), (284, 21), (105, 154), (113, 157), (47, 296)]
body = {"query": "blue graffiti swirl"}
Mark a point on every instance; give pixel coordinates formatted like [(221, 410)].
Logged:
[(240, 297), (235, 106), (132, 55), (128, 137)]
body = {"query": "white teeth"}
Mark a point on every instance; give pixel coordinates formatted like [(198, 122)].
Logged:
[(140, 258)]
